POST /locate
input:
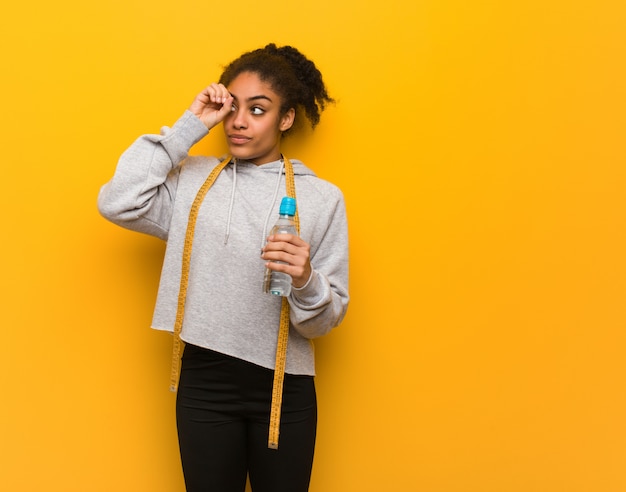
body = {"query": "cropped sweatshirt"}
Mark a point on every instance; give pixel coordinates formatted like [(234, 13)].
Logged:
[(226, 309)]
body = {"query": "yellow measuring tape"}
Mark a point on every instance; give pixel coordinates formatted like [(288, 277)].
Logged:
[(283, 331), (283, 335)]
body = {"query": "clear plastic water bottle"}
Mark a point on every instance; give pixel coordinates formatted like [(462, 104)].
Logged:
[(279, 283)]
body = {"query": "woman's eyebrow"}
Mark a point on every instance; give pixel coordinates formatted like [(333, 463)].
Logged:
[(254, 98)]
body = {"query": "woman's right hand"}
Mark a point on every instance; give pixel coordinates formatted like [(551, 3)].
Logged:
[(212, 104)]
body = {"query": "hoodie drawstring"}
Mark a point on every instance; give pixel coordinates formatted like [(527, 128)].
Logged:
[(269, 211), (232, 202)]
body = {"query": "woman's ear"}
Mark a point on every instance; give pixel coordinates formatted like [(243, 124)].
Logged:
[(287, 120)]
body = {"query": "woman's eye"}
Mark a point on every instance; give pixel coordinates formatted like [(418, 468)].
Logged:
[(257, 111), (233, 108)]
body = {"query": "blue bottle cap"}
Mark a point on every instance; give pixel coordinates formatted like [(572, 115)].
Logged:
[(288, 206)]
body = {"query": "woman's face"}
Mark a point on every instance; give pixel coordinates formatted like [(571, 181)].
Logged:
[(254, 126)]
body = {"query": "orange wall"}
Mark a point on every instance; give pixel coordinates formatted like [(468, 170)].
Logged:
[(480, 148)]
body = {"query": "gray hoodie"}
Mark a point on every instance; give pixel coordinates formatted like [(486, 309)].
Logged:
[(152, 191)]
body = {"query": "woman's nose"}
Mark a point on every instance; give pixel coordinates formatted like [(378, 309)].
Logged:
[(239, 119)]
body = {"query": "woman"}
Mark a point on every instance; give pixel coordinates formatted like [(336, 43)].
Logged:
[(215, 215)]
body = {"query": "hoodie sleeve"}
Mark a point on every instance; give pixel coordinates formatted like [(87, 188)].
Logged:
[(321, 304), (141, 194)]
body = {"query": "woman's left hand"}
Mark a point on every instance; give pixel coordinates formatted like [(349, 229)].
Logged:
[(294, 252)]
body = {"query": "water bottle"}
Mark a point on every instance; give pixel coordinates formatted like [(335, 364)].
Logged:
[(279, 283)]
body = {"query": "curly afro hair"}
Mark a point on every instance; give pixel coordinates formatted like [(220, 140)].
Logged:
[(291, 75)]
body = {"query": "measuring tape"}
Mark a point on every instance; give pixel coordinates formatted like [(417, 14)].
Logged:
[(283, 334), (184, 274), (283, 330)]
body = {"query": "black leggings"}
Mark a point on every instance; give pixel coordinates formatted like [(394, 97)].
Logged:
[(222, 412)]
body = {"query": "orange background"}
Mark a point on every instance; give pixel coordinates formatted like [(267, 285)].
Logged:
[(480, 148)]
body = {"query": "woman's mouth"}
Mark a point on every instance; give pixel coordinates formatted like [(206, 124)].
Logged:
[(237, 139)]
